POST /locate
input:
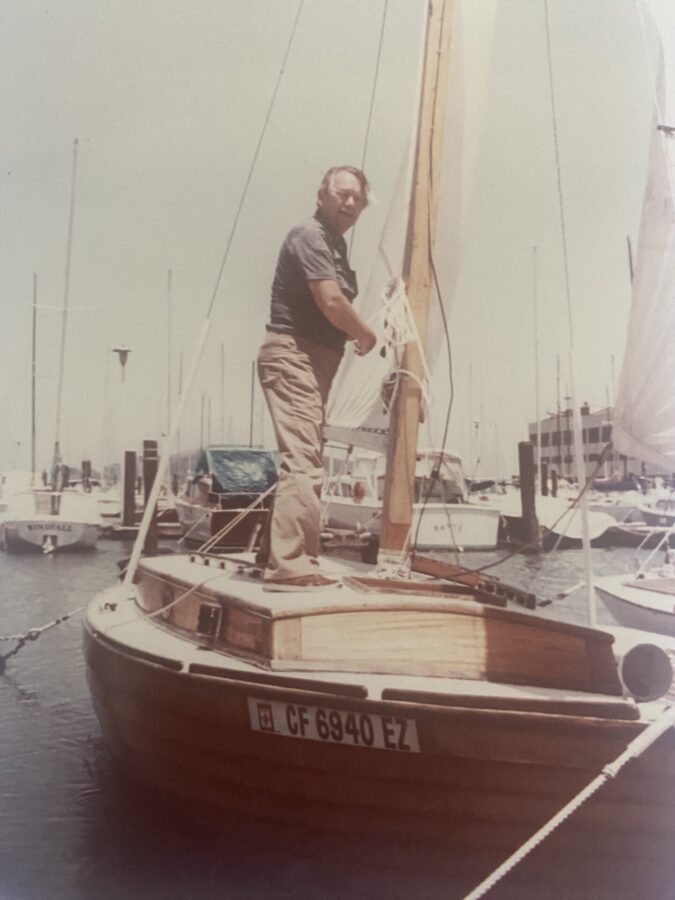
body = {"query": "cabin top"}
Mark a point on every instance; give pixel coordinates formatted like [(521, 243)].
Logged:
[(356, 628)]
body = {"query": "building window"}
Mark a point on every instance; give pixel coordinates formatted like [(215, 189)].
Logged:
[(533, 439), (594, 457), (593, 435), (569, 458), (555, 438), (606, 433), (545, 440)]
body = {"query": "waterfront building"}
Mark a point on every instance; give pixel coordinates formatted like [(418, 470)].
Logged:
[(557, 444)]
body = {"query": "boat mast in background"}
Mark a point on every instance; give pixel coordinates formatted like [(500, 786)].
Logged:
[(417, 274), (537, 403), (64, 321), (168, 360), (33, 375)]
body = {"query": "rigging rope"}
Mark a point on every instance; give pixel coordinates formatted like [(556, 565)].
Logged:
[(254, 160), (163, 466), (372, 105), (211, 543), (636, 748)]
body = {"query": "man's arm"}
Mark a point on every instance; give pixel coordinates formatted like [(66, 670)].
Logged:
[(340, 313)]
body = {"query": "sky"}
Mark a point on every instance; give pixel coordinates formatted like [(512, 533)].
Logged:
[(168, 100)]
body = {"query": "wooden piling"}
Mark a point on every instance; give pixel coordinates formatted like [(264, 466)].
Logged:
[(150, 463), (530, 532), (554, 483), (86, 475), (129, 493), (543, 479)]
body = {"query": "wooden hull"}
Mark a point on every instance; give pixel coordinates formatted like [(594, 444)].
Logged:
[(482, 782)]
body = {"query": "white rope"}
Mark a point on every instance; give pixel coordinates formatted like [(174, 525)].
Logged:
[(611, 770)]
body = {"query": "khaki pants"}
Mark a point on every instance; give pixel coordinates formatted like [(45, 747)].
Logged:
[(296, 375)]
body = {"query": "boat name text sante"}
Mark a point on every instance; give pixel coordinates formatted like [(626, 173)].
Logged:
[(333, 726)]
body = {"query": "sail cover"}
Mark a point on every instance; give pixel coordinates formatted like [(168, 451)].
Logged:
[(644, 423)]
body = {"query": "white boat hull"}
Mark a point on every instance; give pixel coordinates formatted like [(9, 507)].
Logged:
[(450, 526), (657, 518), (49, 535), (636, 607)]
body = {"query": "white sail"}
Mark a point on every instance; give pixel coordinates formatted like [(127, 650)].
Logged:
[(357, 414), (644, 423)]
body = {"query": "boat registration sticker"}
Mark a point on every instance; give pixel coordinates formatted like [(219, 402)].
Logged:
[(333, 726)]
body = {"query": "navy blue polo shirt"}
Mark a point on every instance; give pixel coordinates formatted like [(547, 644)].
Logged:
[(310, 252)]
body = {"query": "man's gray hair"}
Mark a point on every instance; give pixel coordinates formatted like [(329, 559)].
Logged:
[(357, 173)]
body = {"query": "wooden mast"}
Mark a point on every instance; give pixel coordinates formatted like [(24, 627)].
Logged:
[(417, 273)]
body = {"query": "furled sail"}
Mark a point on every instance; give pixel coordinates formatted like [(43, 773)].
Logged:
[(644, 423)]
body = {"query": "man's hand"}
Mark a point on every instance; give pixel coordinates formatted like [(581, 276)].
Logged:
[(365, 342), (340, 313)]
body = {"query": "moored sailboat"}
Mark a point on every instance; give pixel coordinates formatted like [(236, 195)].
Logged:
[(42, 518), (644, 424), (427, 709)]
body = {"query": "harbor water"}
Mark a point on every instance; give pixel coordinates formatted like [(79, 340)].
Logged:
[(73, 827)]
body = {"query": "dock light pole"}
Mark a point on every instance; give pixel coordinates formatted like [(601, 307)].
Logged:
[(123, 355)]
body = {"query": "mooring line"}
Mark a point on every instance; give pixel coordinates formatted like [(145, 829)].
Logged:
[(32, 635), (636, 748)]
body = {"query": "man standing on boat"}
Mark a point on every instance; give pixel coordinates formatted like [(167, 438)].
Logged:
[(311, 318)]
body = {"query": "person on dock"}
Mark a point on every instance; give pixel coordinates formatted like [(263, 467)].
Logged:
[(311, 319)]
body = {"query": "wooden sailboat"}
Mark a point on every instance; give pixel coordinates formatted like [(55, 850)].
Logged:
[(434, 711)]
